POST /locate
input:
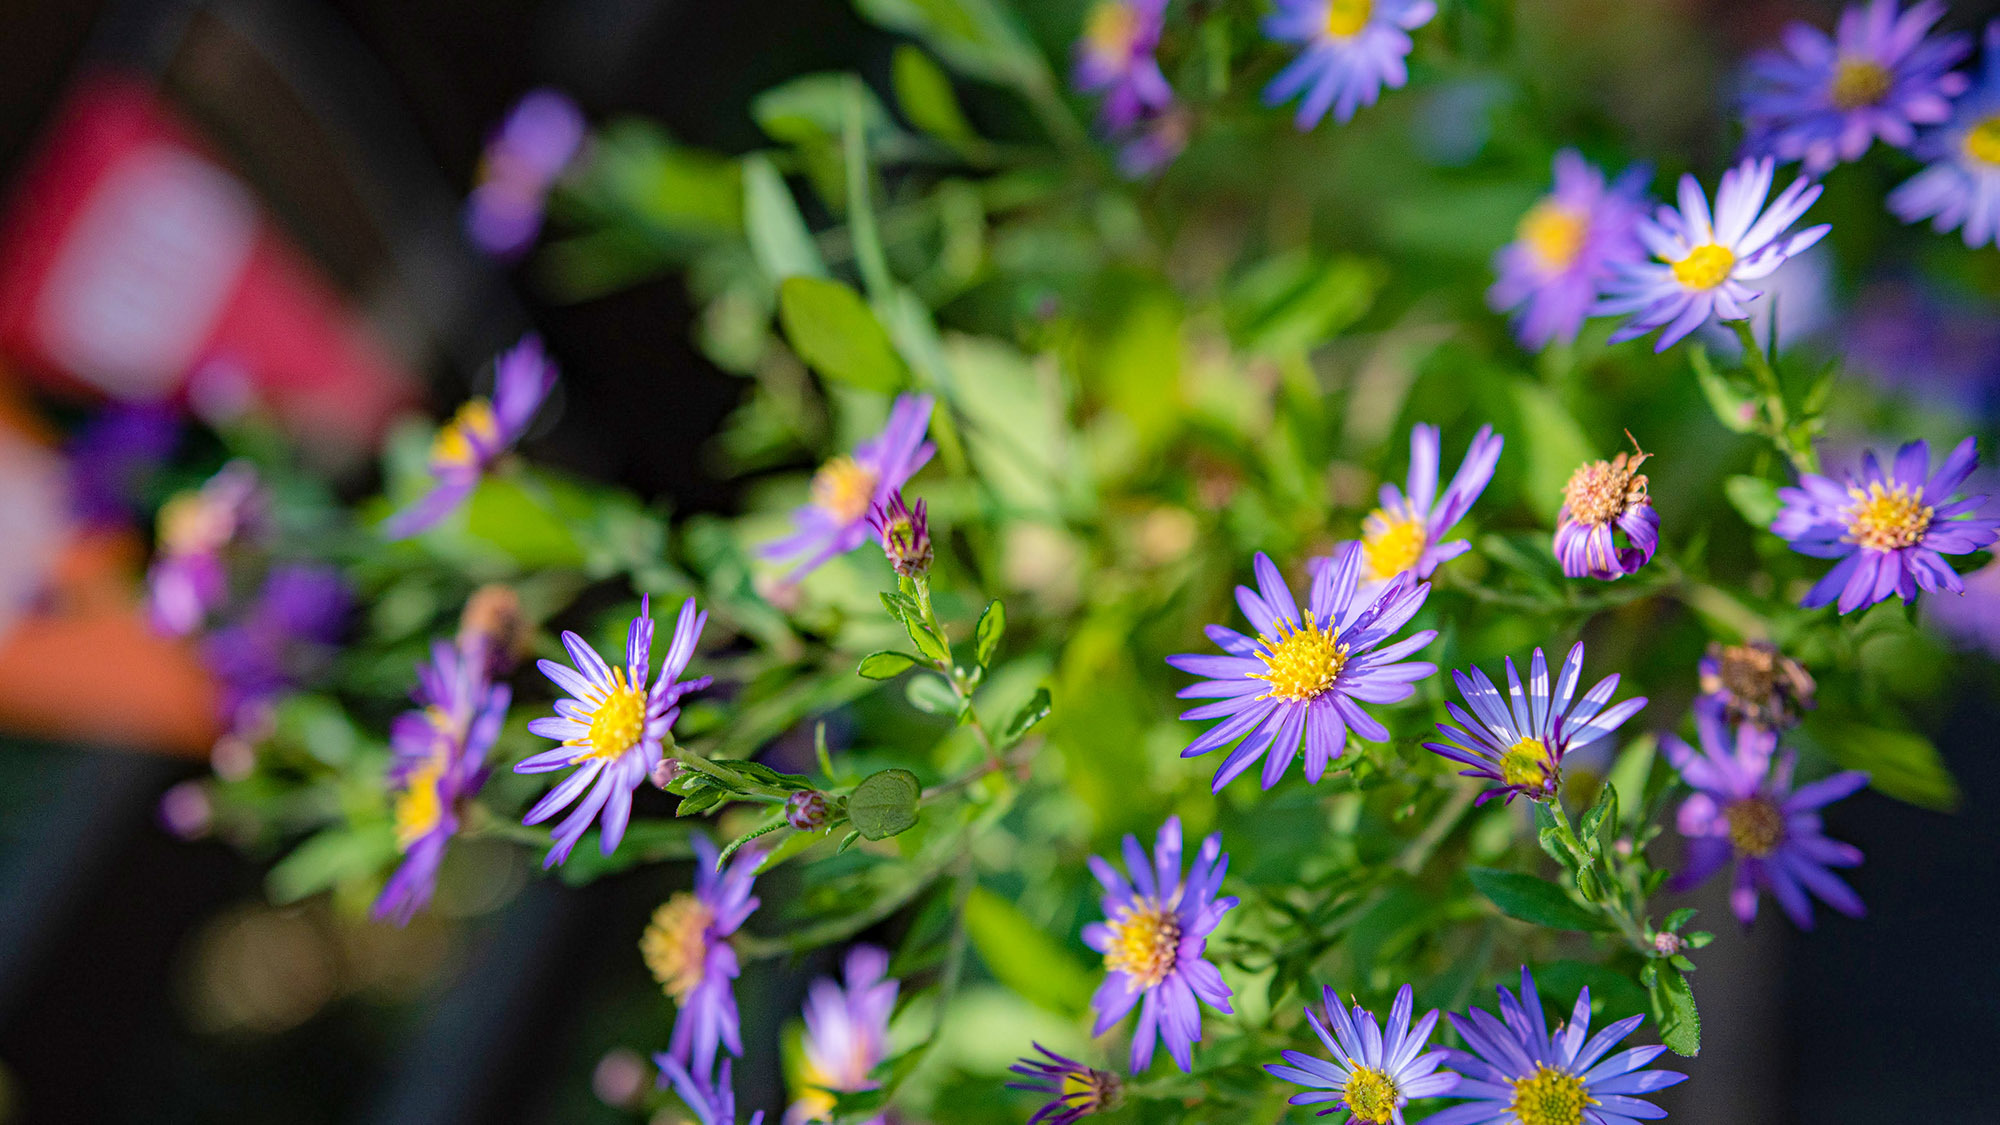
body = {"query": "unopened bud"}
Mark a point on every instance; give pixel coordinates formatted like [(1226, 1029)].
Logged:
[(906, 535), (185, 810), (664, 772), (1667, 944), (492, 626), (808, 811)]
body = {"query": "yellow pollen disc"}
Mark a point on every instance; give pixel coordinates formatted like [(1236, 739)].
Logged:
[(454, 442), (1859, 82), (1392, 543), (843, 489), (1550, 1097), (1145, 942), (1085, 1093), (1346, 18), (1705, 267), (1756, 826), (617, 721), (1526, 763), (1885, 519), (675, 944), (1300, 663), (1371, 1095), (418, 807), (1553, 234), (1112, 28), (1982, 142)]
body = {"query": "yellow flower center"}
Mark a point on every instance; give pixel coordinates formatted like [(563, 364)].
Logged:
[(1371, 1095), (617, 720), (1346, 18), (843, 489), (1705, 267), (1112, 28), (1860, 82), (1553, 234), (1526, 763), (1550, 1097), (1885, 519), (675, 944), (1145, 941), (1755, 826), (454, 442), (1391, 543), (419, 806), (1300, 663), (1983, 141)]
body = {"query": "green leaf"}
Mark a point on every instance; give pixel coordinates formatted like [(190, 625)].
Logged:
[(1735, 407), (1899, 763), (885, 804), (1555, 445), (926, 641), (1679, 918), (1680, 1026), (1023, 956), (932, 696), (757, 773), (701, 800), (332, 856), (1533, 900), (925, 94), (722, 860), (814, 106), (1600, 824), (1033, 711), (992, 626), (899, 606), (833, 330), (779, 238), (1755, 498), (886, 665)]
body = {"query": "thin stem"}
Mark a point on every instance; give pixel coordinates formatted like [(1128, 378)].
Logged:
[(1775, 408), (868, 253)]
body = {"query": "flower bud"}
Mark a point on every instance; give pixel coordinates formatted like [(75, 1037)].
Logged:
[(906, 535), (186, 811), (664, 772), (1667, 944), (808, 811)]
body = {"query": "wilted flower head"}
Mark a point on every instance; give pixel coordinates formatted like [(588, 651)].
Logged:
[(1302, 680), (1404, 535), (1744, 808), (1702, 264), (847, 1034), (468, 445), (1566, 248), (492, 626), (1890, 528), (1350, 49), (712, 1100), (190, 577), (1115, 57), (1755, 683), (906, 534), (1601, 499), (1518, 1072), (612, 728), (686, 947), (847, 488), (1080, 1091), (1153, 936), (1374, 1072), (1520, 742), (1960, 190), (534, 144), (1824, 100)]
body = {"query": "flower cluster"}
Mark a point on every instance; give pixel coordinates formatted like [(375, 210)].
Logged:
[(467, 446)]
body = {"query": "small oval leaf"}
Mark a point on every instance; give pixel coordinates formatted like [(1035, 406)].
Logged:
[(886, 665), (884, 804), (992, 626), (1533, 900)]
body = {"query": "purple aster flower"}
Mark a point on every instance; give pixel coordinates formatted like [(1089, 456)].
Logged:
[(534, 144), (1824, 100), (1080, 1091), (847, 1034), (468, 445), (1115, 58), (1374, 1073), (1911, 338), (1305, 675), (1746, 810), (1350, 50), (1523, 1074), (1521, 742), (190, 577), (1567, 247), (1889, 529), (712, 1100), (1702, 264), (686, 946), (1601, 499), (1152, 143), (1960, 190), (440, 760), (1754, 683), (1403, 535), (847, 488), (611, 727), (1154, 933), (113, 457), (286, 637)]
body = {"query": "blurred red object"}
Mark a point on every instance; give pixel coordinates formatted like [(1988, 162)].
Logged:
[(133, 265)]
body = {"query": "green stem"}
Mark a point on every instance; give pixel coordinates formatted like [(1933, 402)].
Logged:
[(1775, 408), (868, 253)]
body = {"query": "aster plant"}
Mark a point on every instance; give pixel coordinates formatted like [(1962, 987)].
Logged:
[(1078, 1091), (1348, 51), (686, 947), (1568, 246), (537, 141), (1519, 742), (1405, 534), (847, 1033), (1375, 1071), (848, 487), (1603, 503), (1959, 189)]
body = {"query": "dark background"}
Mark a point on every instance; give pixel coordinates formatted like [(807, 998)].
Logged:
[(104, 917)]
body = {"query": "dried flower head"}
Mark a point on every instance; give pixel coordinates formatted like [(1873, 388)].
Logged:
[(1602, 498), (493, 627), (1755, 683)]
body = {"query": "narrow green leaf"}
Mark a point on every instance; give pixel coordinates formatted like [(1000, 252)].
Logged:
[(992, 626), (832, 329), (722, 860), (779, 238), (1023, 956), (932, 696), (925, 94), (886, 665), (1680, 1029), (1679, 918), (1734, 408), (1032, 712), (1755, 498), (1533, 900), (1903, 764), (885, 803), (926, 641)]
